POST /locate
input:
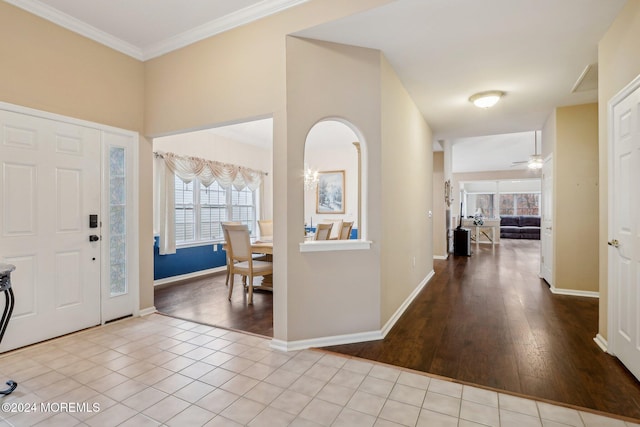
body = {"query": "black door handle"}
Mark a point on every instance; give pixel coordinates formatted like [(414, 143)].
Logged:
[(94, 238)]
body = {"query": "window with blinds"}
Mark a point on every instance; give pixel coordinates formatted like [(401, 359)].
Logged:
[(200, 214)]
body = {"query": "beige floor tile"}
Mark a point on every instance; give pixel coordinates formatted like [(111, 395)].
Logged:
[(515, 419), (111, 417), (194, 391), (336, 394), (173, 383), (154, 375), (239, 384), (217, 377), (107, 382), (166, 409), (140, 420), (291, 402), (559, 414), (192, 416), (264, 393), (481, 414), (444, 404), (125, 390), (376, 386), (367, 403), (144, 399), (221, 421), (307, 385), (429, 418), (478, 395), (197, 369), (59, 420), (242, 410), (272, 417), (400, 413), (445, 387), (405, 394), (321, 412), (217, 401), (350, 418), (518, 404)]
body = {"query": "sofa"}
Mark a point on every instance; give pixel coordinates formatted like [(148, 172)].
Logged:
[(520, 227)]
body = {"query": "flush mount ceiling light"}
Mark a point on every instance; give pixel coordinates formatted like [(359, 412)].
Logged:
[(486, 99)]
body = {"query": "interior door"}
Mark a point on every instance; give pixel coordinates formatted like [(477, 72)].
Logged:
[(546, 222), (50, 185), (624, 246)]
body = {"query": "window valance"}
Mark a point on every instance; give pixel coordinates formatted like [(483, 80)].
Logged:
[(169, 165), (209, 171)]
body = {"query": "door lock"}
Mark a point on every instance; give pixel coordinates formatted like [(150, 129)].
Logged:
[(614, 243), (94, 238)]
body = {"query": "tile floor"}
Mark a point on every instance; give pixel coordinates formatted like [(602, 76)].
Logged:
[(161, 371)]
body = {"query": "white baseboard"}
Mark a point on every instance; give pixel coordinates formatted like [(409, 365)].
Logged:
[(147, 311), (443, 257), (602, 343), (400, 311), (193, 275), (325, 341), (352, 338), (575, 293)]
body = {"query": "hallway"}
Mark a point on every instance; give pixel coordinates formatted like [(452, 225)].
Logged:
[(489, 320)]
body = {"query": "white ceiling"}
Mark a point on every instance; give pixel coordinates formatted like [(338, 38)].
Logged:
[(443, 50)]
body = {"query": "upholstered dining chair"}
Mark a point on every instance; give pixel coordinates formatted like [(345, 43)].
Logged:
[(345, 233), (323, 230), (266, 229), (226, 281), (242, 262)]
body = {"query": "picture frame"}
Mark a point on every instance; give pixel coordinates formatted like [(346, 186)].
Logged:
[(330, 194)]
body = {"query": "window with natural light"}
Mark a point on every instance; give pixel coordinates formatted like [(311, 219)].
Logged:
[(200, 214)]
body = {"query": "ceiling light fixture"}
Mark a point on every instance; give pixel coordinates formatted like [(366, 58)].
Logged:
[(486, 99)]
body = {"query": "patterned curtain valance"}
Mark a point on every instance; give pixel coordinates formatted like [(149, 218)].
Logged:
[(208, 171)]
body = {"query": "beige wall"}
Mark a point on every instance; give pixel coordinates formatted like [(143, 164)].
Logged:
[(575, 179), (406, 198), (49, 68), (618, 65), (439, 207), (330, 80)]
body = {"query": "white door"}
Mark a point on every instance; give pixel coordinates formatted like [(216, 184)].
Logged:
[(546, 235), (49, 184), (624, 229)]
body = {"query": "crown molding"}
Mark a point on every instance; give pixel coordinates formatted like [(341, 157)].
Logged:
[(228, 22)]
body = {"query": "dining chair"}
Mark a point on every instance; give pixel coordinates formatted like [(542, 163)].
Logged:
[(323, 230), (345, 233), (266, 229), (242, 262), (226, 281)]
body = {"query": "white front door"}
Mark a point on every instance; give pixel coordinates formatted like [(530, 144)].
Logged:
[(49, 186), (546, 234), (624, 229)]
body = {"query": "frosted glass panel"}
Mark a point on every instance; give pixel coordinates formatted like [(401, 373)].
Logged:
[(117, 222)]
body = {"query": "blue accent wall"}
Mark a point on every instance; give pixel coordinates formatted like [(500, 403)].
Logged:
[(190, 260), (186, 260)]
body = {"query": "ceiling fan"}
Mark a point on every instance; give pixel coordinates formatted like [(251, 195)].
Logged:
[(535, 159)]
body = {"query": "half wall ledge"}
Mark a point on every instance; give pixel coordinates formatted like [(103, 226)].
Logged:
[(335, 245)]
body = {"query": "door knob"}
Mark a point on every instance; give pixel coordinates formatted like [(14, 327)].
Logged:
[(94, 238), (613, 243)]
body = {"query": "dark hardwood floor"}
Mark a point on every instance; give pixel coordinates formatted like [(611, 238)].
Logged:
[(486, 319), (205, 300)]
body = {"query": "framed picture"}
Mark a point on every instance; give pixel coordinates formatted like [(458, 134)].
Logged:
[(330, 193)]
